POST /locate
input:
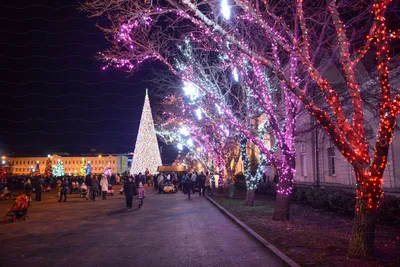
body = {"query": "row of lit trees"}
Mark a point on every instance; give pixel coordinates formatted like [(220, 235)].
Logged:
[(290, 41)]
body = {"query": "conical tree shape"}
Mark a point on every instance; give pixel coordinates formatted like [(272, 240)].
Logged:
[(146, 154)]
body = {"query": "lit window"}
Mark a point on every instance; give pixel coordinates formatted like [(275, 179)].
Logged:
[(332, 161), (303, 161)]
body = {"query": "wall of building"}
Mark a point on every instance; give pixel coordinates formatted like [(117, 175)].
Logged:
[(72, 164), (343, 173)]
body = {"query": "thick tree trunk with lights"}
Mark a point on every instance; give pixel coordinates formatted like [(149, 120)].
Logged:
[(282, 201), (221, 179), (368, 194), (250, 197), (362, 239), (284, 187)]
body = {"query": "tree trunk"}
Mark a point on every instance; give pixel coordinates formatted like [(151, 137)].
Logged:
[(231, 191), (282, 205), (250, 195), (283, 191), (363, 234)]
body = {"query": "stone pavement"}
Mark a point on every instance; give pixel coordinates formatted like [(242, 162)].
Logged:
[(169, 230)]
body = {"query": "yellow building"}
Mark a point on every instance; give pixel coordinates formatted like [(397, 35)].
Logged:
[(72, 164)]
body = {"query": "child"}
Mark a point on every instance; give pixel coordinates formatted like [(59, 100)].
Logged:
[(140, 194)]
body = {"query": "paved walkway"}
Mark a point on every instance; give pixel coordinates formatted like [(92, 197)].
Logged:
[(169, 230)]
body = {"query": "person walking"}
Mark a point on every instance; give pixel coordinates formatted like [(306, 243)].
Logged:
[(189, 185), (104, 186), (88, 183), (130, 192), (141, 194), (207, 184), (183, 182), (194, 181), (95, 187), (64, 190), (201, 182)]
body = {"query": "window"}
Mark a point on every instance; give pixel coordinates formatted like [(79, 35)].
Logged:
[(332, 161), (303, 161)]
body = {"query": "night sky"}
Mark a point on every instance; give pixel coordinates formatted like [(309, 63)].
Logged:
[(54, 96)]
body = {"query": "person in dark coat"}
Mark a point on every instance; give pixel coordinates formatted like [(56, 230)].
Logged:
[(189, 185), (64, 190), (130, 192), (39, 189), (201, 180), (95, 187), (28, 188), (88, 183)]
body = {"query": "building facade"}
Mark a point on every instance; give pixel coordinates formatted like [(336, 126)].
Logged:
[(72, 164), (319, 162)]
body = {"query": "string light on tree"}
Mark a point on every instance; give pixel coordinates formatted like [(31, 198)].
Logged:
[(58, 170), (36, 171), (48, 171), (107, 170), (199, 114), (235, 74), (82, 171), (190, 90), (225, 9), (88, 168)]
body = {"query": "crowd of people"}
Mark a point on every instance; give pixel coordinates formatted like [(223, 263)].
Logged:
[(188, 183), (93, 186)]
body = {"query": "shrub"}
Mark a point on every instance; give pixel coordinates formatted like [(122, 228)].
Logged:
[(343, 203), (338, 201), (389, 210)]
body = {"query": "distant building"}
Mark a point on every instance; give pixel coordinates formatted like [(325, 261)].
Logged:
[(72, 164)]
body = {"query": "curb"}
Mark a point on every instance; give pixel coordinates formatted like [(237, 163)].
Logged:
[(279, 254)]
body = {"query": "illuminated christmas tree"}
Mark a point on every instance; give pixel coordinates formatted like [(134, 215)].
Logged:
[(146, 154), (3, 172), (59, 169), (88, 168), (48, 171), (107, 170), (36, 171), (82, 171)]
